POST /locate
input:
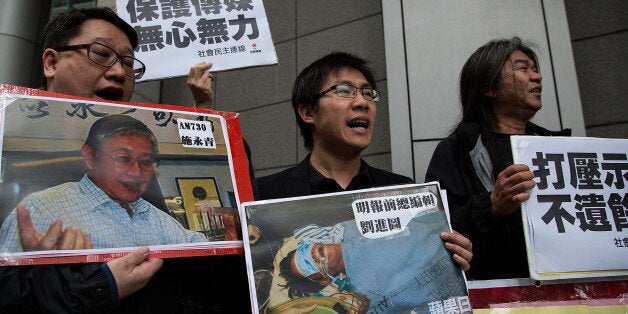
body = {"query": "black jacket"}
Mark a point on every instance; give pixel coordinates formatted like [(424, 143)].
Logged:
[(295, 181), (203, 284), (461, 168), (73, 288)]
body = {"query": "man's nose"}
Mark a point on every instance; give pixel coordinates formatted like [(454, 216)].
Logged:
[(536, 77), (134, 168), (117, 69), (360, 102)]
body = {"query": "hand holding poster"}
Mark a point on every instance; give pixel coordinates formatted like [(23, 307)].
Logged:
[(577, 214), (230, 34), (367, 251)]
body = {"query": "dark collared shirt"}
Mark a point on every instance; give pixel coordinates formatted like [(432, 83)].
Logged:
[(321, 184)]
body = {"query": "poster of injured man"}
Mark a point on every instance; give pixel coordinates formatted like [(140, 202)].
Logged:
[(367, 251)]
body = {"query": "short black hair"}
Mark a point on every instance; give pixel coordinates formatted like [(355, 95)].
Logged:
[(67, 25), (481, 74), (118, 124), (297, 286), (309, 83)]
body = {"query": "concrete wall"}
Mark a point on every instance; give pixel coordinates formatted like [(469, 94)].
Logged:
[(304, 30), (599, 36), (438, 37), (21, 22)]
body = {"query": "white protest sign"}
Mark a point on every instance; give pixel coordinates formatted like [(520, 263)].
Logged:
[(577, 214), (196, 134), (380, 217), (175, 35)]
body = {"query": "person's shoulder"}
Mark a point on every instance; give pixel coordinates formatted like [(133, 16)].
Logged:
[(382, 177), (464, 138), (275, 185), (467, 131), (275, 177), (53, 193), (534, 129)]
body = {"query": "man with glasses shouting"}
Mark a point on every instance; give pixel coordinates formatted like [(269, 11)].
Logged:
[(334, 101), (104, 209), (81, 54), (89, 43)]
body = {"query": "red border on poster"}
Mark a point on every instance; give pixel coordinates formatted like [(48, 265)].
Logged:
[(603, 292), (240, 170)]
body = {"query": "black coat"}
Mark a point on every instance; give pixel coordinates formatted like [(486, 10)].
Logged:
[(498, 242), (203, 284), (295, 181), (73, 288)]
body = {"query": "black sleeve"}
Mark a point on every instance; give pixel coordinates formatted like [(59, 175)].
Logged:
[(256, 192), (445, 168), (71, 288), (469, 208)]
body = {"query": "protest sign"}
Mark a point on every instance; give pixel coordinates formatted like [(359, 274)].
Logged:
[(190, 188), (372, 251), (174, 35), (576, 220)]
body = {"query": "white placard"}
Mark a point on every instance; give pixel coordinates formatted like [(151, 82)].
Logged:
[(174, 35), (577, 214), (196, 134), (381, 217)]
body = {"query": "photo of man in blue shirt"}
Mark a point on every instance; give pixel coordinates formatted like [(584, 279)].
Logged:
[(104, 209)]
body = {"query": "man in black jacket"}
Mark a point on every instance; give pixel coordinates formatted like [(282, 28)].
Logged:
[(89, 53), (81, 53), (334, 101), (500, 91)]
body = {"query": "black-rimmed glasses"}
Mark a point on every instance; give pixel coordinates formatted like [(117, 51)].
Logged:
[(105, 56), (126, 161), (350, 91)]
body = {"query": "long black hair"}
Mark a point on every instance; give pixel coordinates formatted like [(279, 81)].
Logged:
[(481, 74)]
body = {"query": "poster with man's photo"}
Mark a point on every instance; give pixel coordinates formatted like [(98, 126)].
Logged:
[(368, 251), (86, 181)]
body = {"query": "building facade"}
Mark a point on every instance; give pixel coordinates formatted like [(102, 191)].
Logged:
[(305, 30)]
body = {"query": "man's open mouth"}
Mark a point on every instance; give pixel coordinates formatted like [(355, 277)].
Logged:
[(110, 94), (358, 124)]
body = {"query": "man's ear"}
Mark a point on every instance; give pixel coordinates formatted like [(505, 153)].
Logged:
[(89, 157), (306, 114), (50, 59)]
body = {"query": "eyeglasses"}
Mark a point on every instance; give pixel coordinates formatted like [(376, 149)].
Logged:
[(350, 91), (126, 161), (105, 56)]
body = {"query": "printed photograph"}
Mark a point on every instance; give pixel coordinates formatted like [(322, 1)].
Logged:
[(80, 175), (368, 251)]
